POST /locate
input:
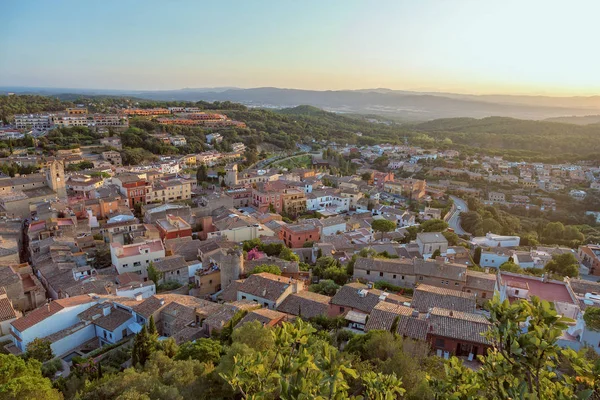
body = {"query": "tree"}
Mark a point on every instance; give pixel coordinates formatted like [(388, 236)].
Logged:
[(22, 379), (202, 173), (251, 156), (383, 226), (436, 254), (152, 327), (592, 318), (39, 349), (325, 286), (477, 255), (433, 225), (288, 255), (523, 359), (564, 265), (366, 176), (554, 230), (452, 238), (153, 273), (510, 266), (144, 344), (203, 350), (270, 268)]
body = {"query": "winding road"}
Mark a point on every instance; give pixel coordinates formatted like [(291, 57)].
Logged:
[(454, 221)]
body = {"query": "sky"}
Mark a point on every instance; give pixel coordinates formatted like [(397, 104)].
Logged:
[(466, 46)]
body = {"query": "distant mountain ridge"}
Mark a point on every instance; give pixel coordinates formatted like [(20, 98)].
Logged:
[(409, 105)]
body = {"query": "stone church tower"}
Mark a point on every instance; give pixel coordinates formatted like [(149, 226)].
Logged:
[(55, 178)]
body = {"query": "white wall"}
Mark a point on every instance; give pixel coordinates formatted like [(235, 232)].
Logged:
[(77, 338), (146, 291), (332, 230), (492, 259), (61, 320), (117, 334)]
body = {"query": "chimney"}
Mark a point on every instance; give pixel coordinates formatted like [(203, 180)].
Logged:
[(106, 310), (451, 313)]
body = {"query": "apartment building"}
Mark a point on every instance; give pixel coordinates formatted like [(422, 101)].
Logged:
[(33, 121), (279, 196), (294, 236), (411, 188), (170, 190), (136, 257), (134, 188), (146, 112)]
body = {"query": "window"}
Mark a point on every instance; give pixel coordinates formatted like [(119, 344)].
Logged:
[(368, 272), (420, 278), (517, 292), (439, 343), (455, 283), (342, 309), (394, 276), (243, 297), (483, 295), (381, 274), (402, 277)]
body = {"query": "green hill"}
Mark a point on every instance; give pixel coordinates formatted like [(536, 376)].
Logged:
[(521, 136)]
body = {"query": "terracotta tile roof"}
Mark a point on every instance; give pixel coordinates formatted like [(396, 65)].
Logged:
[(112, 321), (170, 263), (306, 304), (8, 276), (550, 291), (359, 296), (394, 266), (458, 325), (431, 268), (414, 328), (426, 297), (481, 281), (383, 315), (6, 309), (229, 294), (218, 319), (265, 285), (581, 287), (265, 316), (157, 302), (41, 313)]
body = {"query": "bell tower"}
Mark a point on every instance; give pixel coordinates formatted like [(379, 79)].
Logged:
[(55, 178)]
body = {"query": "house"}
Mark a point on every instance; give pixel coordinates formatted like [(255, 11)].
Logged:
[(400, 272), (362, 298), (265, 316), (50, 319), (429, 242), (179, 316), (440, 273), (331, 226), (426, 297), (136, 257), (590, 258), (173, 227), (493, 240), (268, 289), (495, 257), (296, 235), (497, 197), (306, 304), (173, 269), (7, 314), (457, 333), (482, 284), (22, 287)]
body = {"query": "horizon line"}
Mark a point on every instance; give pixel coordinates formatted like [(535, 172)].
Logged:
[(422, 91)]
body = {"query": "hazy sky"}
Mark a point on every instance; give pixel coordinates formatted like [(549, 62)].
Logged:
[(478, 46)]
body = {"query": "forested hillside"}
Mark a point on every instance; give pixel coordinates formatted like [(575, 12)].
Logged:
[(540, 137)]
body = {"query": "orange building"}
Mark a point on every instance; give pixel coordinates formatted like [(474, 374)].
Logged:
[(294, 236), (146, 111)]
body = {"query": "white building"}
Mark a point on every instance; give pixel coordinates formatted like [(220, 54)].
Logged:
[(50, 319), (429, 242), (136, 257), (69, 323), (33, 121), (493, 240), (214, 137), (178, 141)]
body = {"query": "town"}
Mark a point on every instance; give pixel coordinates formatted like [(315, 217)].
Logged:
[(104, 237)]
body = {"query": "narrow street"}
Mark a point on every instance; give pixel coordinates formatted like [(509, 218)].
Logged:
[(454, 220)]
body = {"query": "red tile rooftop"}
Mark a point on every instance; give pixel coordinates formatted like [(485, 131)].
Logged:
[(549, 291)]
